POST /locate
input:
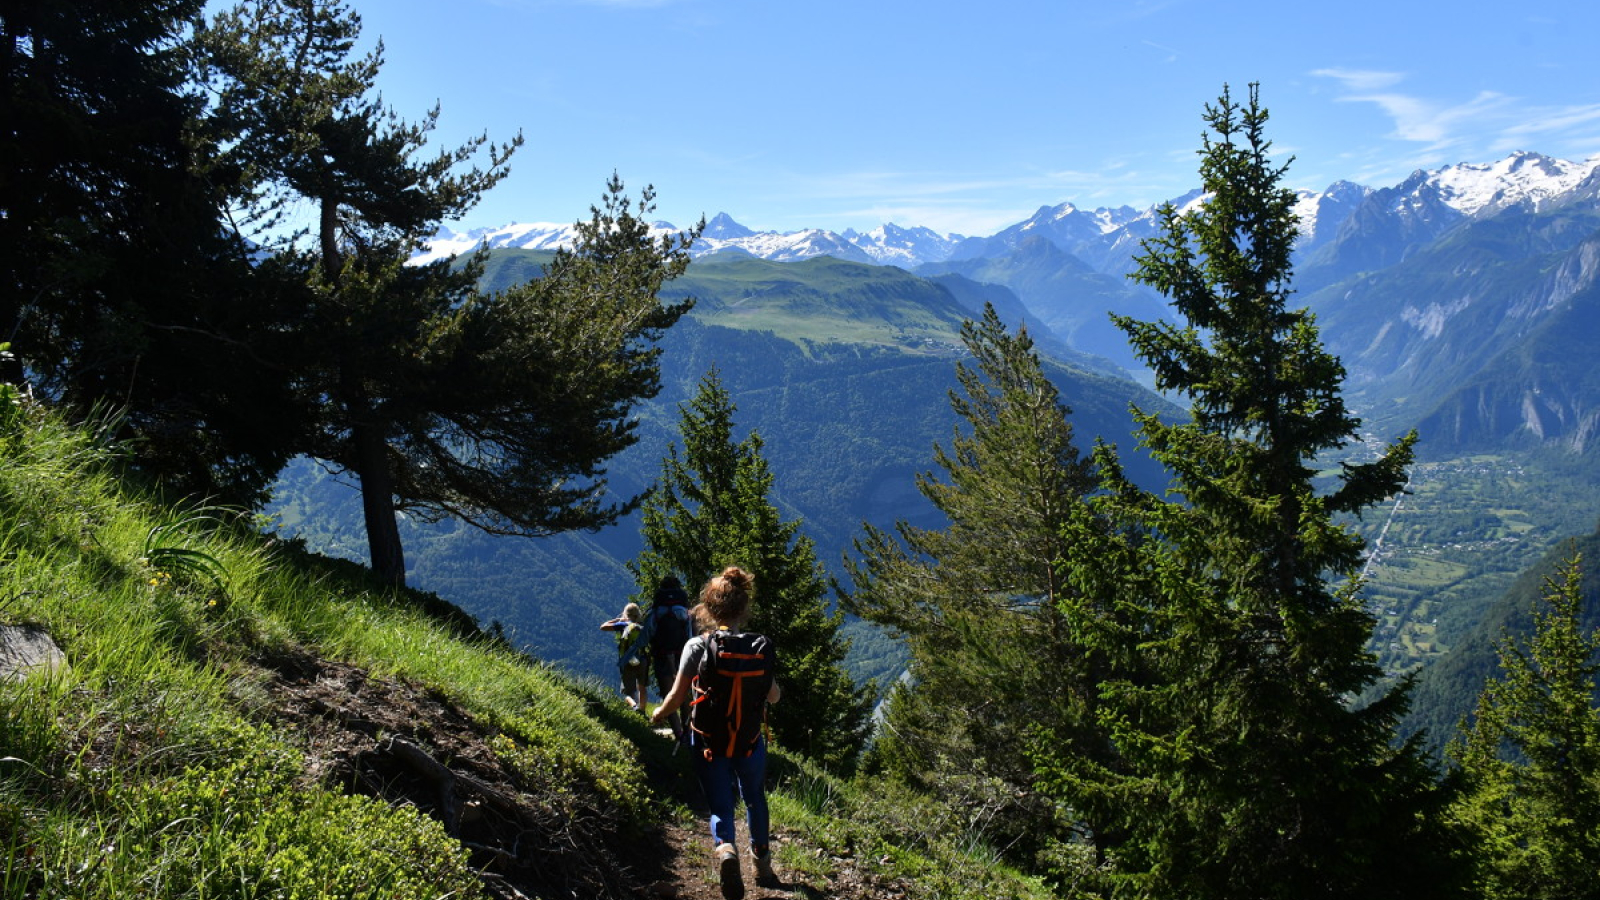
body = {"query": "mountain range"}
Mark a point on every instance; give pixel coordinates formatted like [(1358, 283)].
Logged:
[(1105, 238), (1464, 302), (1378, 265)]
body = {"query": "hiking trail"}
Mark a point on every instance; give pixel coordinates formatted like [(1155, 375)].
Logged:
[(408, 744)]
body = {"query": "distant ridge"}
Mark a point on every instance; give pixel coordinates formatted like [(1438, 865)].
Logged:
[(1105, 238)]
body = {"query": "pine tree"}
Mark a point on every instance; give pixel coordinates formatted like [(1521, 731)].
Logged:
[(1245, 768), (712, 509), (978, 602), (117, 286), (498, 410), (1531, 757)]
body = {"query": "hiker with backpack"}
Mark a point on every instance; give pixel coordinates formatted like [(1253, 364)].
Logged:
[(666, 630), (631, 655), (726, 676)]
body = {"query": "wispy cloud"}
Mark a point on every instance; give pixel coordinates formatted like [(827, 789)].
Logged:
[(962, 203), (1439, 124), (1362, 79), (1171, 54), (1421, 120), (1553, 121)]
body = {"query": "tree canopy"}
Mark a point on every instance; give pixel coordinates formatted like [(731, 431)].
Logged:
[(160, 166), (1531, 756), (118, 287), (496, 409)]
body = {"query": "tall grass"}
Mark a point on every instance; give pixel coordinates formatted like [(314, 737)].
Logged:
[(138, 770)]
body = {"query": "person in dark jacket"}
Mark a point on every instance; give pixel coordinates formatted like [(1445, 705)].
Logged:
[(667, 627)]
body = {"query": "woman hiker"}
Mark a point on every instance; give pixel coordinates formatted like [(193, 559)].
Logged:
[(631, 655), (729, 674)]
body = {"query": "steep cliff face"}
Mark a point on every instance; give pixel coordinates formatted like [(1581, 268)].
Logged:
[(1538, 385), (1483, 335)]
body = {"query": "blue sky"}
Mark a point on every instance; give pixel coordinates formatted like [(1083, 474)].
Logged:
[(967, 117)]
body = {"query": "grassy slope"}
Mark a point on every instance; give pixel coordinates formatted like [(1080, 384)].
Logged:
[(232, 720)]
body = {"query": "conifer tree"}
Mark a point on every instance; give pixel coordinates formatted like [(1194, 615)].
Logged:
[(1531, 757), (1245, 768), (499, 410), (978, 601), (712, 509), (117, 287)]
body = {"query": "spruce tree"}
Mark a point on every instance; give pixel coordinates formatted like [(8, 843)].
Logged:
[(1531, 757), (712, 509), (978, 602), (1245, 767)]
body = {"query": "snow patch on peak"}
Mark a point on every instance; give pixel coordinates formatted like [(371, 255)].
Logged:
[(1522, 178), (446, 244), (1321, 212), (1111, 220)]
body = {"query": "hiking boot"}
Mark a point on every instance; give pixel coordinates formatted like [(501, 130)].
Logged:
[(728, 873), (764, 874)]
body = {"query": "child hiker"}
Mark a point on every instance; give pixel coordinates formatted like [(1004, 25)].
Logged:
[(729, 674), (631, 655)]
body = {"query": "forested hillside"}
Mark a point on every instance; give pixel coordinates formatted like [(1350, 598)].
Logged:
[(1445, 696), (847, 425)]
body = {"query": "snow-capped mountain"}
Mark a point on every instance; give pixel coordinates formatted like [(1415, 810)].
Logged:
[(1524, 179), (1108, 238), (1321, 212), (886, 245), (1080, 232), (520, 236), (723, 234), (1388, 225), (904, 247)]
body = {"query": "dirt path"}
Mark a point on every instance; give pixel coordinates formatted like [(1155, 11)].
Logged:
[(407, 744)]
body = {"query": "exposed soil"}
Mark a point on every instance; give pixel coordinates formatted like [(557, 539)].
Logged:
[(408, 744)]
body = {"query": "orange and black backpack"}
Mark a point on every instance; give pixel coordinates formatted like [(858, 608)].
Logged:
[(729, 708)]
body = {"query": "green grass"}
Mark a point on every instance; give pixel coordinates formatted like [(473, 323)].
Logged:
[(891, 833), (141, 770), (149, 766)]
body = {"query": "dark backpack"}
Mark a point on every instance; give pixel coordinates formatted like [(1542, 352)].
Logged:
[(669, 631), (730, 694)]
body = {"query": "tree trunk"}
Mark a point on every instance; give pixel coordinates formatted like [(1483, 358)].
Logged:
[(388, 558), (377, 505)]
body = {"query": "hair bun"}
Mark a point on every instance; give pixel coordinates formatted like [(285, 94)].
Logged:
[(739, 578)]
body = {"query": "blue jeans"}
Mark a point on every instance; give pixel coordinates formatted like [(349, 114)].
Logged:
[(721, 778)]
